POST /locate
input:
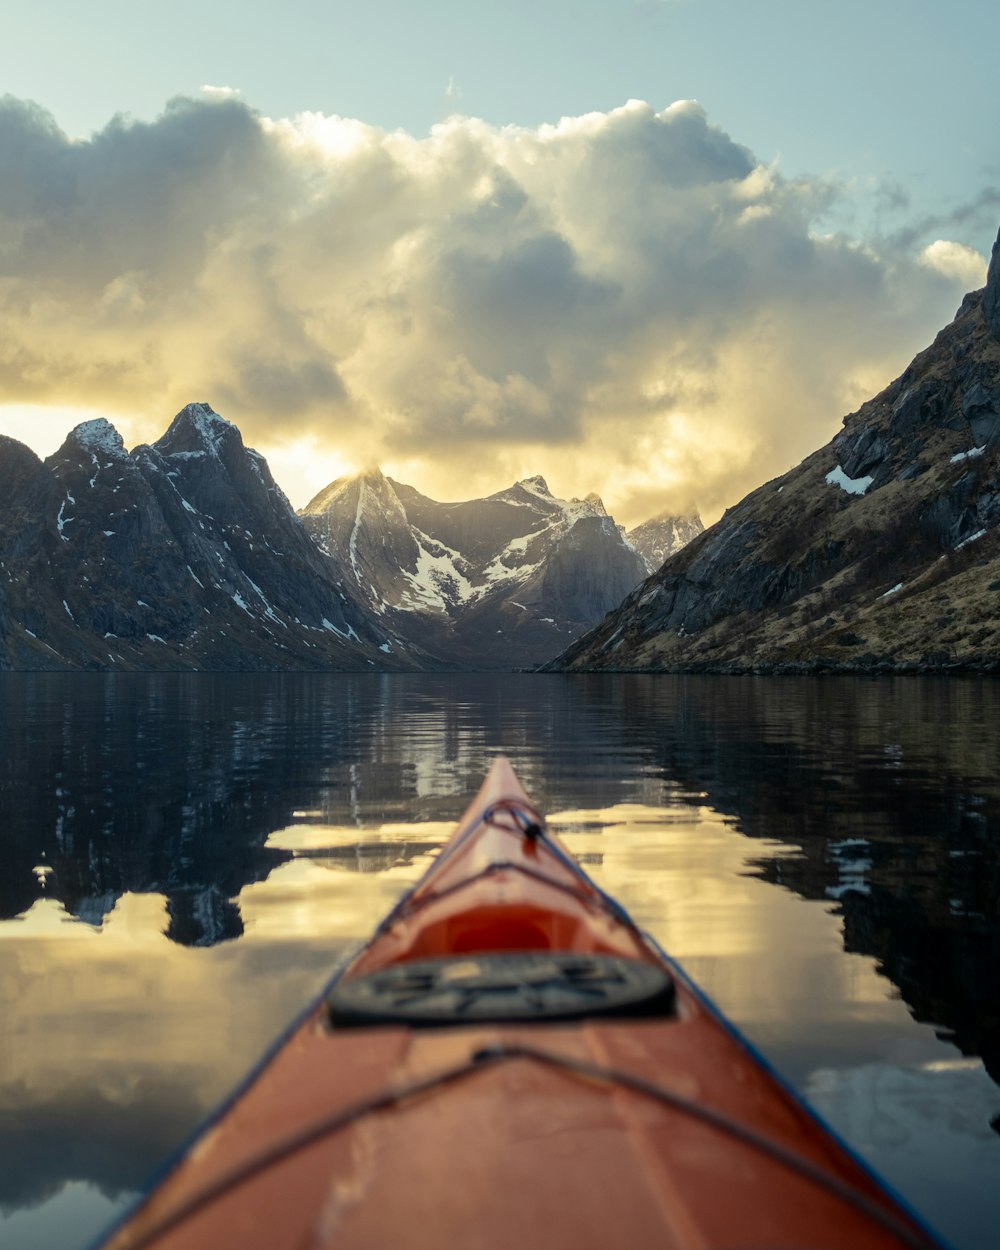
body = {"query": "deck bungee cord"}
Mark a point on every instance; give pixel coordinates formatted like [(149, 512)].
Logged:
[(491, 1055)]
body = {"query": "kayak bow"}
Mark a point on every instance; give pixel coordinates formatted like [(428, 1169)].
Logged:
[(510, 1062)]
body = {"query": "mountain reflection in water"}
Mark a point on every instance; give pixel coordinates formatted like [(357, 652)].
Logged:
[(147, 821)]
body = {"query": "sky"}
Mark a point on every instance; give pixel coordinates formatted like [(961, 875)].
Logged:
[(655, 249)]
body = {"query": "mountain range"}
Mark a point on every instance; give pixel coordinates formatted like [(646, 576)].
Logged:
[(185, 554), (879, 552), (500, 582)]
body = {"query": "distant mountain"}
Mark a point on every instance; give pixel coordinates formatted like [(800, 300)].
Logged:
[(500, 582), (183, 554), (662, 537), (881, 551)]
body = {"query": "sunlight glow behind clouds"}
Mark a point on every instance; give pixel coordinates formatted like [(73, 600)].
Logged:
[(624, 301)]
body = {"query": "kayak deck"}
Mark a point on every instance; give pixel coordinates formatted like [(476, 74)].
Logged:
[(438, 1113)]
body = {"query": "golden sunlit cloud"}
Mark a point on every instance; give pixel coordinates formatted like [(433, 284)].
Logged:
[(626, 301), (954, 260)]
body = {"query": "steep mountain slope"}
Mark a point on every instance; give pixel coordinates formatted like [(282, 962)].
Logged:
[(880, 551), (499, 582), (183, 554)]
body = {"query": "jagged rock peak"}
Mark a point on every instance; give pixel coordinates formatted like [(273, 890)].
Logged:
[(376, 490), (373, 478), (197, 427), (537, 485), (664, 535), (991, 296), (100, 435), (596, 502)]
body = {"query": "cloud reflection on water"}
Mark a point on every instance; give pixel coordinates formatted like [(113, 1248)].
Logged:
[(218, 843)]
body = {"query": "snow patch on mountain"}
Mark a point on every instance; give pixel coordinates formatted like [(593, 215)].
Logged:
[(62, 519), (852, 485), (511, 564), (439, 581), (971, 454)]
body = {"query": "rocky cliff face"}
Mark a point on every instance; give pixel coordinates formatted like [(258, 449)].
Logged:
[(663, 536), (991, 295), (183, 554), (880, 551), (500, 582)]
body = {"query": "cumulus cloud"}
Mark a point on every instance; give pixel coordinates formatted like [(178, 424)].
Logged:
[(625, 301), (955, 260)]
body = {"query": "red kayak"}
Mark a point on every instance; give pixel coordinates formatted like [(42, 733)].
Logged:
[(509, 1062)]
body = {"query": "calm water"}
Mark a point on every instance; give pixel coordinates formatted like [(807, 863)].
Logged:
[(183, 858)]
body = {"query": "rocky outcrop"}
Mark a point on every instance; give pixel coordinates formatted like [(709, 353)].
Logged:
[(499, 582), (183, 554), (881, 551)]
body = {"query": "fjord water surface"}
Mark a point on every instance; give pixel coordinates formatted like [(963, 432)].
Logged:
[(185, 858)]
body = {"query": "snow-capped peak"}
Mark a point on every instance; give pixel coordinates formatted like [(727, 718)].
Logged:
[(100, 435), (537, 485)]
